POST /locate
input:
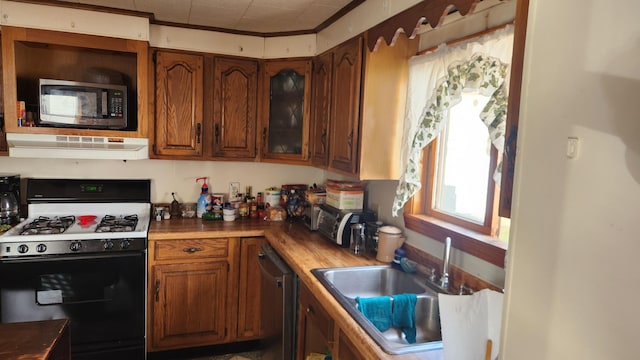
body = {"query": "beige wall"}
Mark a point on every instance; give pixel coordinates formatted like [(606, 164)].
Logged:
[(169, 175), (573, 274)]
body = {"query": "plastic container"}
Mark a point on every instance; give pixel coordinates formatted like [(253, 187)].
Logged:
[(201, 204)]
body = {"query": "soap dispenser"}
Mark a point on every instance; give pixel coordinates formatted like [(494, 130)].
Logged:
[(201, 207)]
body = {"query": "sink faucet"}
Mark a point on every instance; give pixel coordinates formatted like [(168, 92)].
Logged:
[(443, 283), (444, 278)]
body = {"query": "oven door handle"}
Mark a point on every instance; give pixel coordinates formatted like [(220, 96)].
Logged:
[(70, 257)]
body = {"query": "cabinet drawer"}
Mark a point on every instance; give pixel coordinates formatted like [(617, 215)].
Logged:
[(191, 249)]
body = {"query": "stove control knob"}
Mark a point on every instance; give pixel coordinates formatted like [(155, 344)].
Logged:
[(41, 248), (75, 246), (23, 249), (108, 245), (124, 244)]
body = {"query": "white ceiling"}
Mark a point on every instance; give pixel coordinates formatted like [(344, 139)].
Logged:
[(261, 16)]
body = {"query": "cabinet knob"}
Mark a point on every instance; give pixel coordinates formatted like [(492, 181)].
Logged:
[(192, 250)]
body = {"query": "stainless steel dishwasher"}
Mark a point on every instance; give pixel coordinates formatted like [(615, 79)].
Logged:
[(278, 291)]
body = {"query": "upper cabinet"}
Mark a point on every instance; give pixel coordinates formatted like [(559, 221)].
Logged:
[(285, 111), (361, 106), (32, 54), (205, 106), (344, 124), (179, 100), (321, 108), (235, 108)]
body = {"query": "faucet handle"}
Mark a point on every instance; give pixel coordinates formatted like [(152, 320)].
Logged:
[(432, 276), (465, 290)]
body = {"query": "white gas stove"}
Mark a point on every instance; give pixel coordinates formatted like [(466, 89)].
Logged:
[(79, 217)]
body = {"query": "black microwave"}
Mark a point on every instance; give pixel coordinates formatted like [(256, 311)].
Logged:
[(82, 105)]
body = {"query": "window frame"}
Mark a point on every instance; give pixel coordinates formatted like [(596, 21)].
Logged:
[(486, 248), (440, 226), (490, 221)]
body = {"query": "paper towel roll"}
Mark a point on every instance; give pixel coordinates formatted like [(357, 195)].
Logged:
[(468, 321)]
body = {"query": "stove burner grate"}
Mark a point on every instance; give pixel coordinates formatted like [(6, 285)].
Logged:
[(46, 225), (110, 223)]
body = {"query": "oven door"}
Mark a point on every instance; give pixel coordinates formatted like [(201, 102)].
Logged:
[(102, 296)]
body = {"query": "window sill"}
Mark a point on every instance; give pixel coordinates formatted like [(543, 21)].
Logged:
[(482, 246)]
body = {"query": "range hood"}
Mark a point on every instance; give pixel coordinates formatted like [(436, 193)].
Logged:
[(76, 147)]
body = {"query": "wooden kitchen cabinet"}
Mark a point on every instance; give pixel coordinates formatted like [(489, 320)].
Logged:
[(344, 125), (285, 111), (4, 150), (315, 326), (345, 349), (192, 292), (366, 111), (29, 54), (235, 111), (249, 289), (321, 108), (179, 101)]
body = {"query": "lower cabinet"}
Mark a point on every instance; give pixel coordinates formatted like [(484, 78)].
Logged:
[(189, 304), (315, 326), (318, 332), (249, 289), (202, 292)]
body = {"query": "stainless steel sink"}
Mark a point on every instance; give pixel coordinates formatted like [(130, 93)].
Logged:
[(347, 283)]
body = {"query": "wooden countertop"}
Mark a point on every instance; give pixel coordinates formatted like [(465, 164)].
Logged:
[(35, 340), (303, 250)]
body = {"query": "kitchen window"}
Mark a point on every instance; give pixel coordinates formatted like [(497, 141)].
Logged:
[(454, 137)]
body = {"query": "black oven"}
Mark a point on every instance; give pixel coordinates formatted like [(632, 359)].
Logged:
[(103, 296)]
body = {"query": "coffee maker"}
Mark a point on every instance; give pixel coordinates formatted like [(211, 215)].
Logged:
[(9, 199)]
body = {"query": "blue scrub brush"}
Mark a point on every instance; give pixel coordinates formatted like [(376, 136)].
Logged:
[(408, 265)]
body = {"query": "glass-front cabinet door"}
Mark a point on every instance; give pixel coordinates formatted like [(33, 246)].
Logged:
[(286, 110)]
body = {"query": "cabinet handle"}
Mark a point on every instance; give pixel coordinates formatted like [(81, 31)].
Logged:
[(198, 131), (264, 138), (323, 140), (350, 139), (217, 133), (191, 250), (157, 290)]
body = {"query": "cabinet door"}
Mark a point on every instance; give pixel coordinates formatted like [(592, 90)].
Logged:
[(235, 108), (189, 304), (286, 110), (249, 297), (4, 150), (178, 104), (321, 108), (345, 113), (346, 349), (315, 326)]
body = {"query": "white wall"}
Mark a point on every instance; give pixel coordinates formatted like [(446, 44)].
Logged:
[(573, 274), (169, 175)]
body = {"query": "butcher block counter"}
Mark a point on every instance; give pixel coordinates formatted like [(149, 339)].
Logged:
[(37, 340), (303, 250)]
